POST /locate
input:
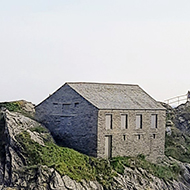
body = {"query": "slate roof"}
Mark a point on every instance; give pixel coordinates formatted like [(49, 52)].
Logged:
[(116, 96)]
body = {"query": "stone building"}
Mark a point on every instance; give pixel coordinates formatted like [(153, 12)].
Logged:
[(105, 120)]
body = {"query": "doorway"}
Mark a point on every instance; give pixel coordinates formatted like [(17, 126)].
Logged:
[(108, 146)]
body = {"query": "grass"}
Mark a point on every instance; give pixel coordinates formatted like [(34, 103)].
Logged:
[(11, 106), (164, 172), (79, 166), (39, 129), (66, 161), (16, 106)]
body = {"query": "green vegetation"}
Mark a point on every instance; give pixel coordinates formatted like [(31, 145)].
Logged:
[(16, 106), (11, 106), (39, 129), (178, 145), (165, 172), (79, 166), (66, 161)]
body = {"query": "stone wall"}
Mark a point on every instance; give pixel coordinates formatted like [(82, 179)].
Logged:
[(76, 123), (71, 119), (126, 142)]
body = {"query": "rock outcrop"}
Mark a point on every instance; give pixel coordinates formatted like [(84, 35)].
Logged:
[(15, 173), (182, 117)]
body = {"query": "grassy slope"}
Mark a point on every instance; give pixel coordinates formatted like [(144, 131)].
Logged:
[(66, 161), (79, 166)]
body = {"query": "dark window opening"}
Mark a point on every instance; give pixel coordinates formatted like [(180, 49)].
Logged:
[(76, 104)]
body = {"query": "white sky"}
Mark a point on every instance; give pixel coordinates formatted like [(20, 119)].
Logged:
[(45, 43)]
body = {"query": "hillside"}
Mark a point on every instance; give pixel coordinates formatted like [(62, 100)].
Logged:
[(31, 160), (178, 132)]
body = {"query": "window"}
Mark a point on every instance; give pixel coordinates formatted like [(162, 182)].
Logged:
[(124, 137), (108, 121), (76, 104), (154, 136), (124, 121), (139, 121), (154, 121), (138, 137)]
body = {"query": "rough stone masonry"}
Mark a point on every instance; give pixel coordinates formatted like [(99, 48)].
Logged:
[(105, 120)]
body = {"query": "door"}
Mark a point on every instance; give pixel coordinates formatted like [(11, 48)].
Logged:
[(108, 146)]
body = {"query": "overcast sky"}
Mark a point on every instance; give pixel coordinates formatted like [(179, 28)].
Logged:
[(45, 43)]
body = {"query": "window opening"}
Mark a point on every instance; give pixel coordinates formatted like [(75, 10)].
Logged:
[(124, 121), (76, 104), (139, 121), (154, 121), (108, 121)]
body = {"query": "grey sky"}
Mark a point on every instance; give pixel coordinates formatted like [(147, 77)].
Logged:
[(45, 43)]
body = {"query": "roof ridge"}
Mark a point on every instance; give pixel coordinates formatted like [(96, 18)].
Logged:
[(102, 83)]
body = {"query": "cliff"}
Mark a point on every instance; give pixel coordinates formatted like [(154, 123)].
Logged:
[(29, 159)]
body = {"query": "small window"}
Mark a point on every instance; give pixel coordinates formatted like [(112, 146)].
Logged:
[(76, 104), (139, 121), (154, 121), (124, 137), (55, 105), (154, 136), (124, 121), (108, 121), (138, 137)]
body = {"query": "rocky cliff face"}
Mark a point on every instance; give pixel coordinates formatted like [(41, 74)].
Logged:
[(182, 117), (22, 170)]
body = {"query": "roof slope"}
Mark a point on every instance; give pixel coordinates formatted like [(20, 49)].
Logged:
[(115, 96)]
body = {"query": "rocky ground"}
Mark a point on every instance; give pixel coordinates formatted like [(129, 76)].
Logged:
[(17, 170)]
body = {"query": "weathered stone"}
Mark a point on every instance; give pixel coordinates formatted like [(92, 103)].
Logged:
[(77, 113), (17, 176), (56, 181), (69, 183), (85, 185), (36, 137)]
